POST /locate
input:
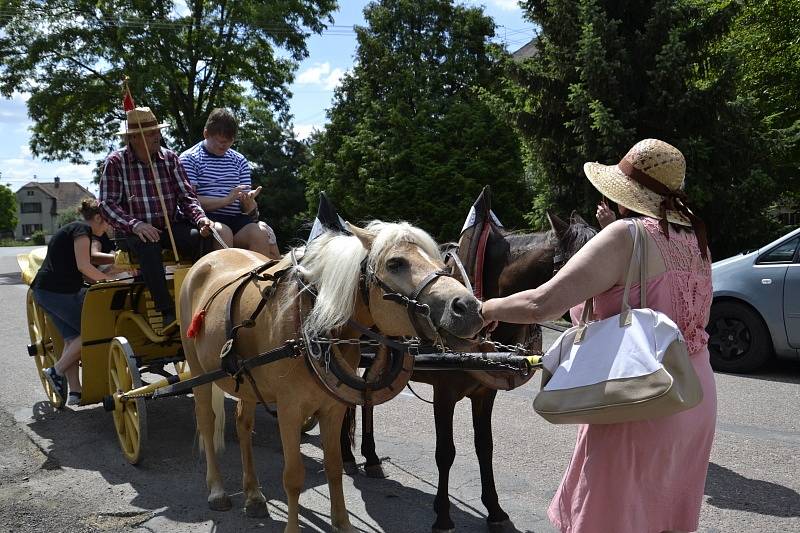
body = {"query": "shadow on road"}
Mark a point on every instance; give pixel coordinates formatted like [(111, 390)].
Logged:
[(728, 490), (402, 508), (170, 479), (780, 370)]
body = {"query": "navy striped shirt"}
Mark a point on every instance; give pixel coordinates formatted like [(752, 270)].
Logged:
[(215, 175)]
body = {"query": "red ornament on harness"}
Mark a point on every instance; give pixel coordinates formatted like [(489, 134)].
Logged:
[(197, 323)]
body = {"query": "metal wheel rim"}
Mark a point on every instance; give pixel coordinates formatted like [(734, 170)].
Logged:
[(730, 339), (130, 417), (45, 352)]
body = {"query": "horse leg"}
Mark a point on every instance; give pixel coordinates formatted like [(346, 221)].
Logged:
[(373, 466), (204, 412), (346, 441), (482, 405), (290, 420), (444, 404), (330, 423), (255, 504)]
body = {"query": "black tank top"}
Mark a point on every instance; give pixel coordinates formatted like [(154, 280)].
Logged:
[(59, 272)]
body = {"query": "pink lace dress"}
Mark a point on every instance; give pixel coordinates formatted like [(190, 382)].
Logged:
[(648, 477)]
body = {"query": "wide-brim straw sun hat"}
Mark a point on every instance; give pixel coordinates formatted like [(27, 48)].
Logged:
[(649, 180), (623, 183), (140, 120)]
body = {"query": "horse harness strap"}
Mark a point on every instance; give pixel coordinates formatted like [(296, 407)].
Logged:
[(231, 363), (289, 349), (412, 305)]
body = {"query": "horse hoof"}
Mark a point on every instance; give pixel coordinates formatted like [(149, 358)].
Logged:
[(221, 503), (375, 471), (350, 468), (501, 527), (437, 530), (344, 529), (256, 509)]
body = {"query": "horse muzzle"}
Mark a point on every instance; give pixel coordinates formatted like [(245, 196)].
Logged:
[(461, 317)]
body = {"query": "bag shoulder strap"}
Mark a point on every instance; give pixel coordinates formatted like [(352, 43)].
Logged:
[(640, 246)]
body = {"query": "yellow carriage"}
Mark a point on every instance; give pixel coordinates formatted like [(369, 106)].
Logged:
[(122, 338)]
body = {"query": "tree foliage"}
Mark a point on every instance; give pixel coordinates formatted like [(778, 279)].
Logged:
[(409, 136), (764, 37), (71, 56), (276, 159), (8, 210), (609, 73)]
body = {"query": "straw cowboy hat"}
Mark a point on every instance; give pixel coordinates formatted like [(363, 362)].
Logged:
[(657, 161), (649, 180), (140, 119)]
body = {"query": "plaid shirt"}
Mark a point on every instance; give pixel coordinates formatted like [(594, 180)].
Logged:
[(128, 194)]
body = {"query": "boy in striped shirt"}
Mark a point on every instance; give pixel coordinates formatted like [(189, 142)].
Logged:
[(221, 179)]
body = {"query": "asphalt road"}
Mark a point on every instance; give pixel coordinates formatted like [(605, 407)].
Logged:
[(62, 471)]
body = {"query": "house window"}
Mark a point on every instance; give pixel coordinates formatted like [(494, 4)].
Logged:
[(30, 193), (30, 229), (31, 207)]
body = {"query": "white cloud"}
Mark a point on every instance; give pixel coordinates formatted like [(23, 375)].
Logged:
[(304, 131), (506, 5), (321, 74), (24, 150)]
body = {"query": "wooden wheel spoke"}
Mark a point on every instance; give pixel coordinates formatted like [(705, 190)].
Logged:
[(129, 416)]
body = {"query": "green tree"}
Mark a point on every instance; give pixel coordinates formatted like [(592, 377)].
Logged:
[(8, 210), (764, 37), (69, 215), (276, 158), (607, 74), (184, 59), (409, 135)]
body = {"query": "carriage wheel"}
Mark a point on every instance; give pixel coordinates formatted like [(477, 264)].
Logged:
[(42, 348), (130, 416)]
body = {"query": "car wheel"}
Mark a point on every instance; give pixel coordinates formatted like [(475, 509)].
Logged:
[(738, 340)]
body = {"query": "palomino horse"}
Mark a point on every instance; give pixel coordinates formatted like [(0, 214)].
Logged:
[(334, 281), (512, 262)]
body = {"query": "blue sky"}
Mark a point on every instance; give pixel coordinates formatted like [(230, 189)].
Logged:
[(330, 56)]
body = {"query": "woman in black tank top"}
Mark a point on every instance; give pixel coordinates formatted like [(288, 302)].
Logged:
[(58, 289)]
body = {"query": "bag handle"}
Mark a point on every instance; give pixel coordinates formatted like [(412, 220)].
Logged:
[(640, 246)]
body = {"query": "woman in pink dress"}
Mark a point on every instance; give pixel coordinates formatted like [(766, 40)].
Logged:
[(649, 476)]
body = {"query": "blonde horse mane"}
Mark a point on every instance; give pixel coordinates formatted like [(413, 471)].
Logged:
[(331, 264)]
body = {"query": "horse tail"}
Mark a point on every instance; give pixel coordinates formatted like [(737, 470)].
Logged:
[(218, 406)]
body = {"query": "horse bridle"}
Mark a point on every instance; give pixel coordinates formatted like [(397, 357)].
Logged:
[(415, 309)]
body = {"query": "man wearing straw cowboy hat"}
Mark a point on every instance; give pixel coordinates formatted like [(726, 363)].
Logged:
[(141, 183)]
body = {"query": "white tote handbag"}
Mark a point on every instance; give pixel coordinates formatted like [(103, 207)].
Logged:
[(632, 366)]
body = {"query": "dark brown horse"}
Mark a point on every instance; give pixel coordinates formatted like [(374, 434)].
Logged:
[(498, 263)]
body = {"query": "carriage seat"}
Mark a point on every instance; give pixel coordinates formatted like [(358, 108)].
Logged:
[(125, 257)]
